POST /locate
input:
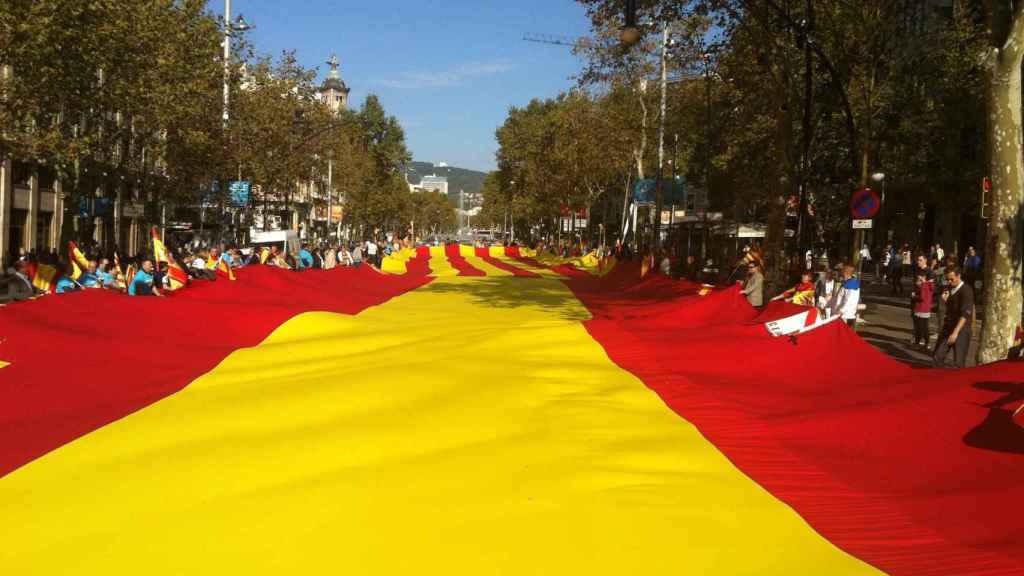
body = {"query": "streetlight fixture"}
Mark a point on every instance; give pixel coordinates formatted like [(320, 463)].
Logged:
[(630, 33), (880, 177)]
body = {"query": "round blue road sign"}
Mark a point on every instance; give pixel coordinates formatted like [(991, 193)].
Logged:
[(864, 204)]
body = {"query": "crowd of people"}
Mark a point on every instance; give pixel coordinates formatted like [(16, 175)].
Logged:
[(150, 274), (941, 287), (896, 264)]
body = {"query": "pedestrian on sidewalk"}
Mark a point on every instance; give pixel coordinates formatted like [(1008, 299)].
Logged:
[(882, 264), (865, 259), (896, 273), (955, 334), (939, 268), (907, 258), (972, 266), (922, 268), (921, 308)]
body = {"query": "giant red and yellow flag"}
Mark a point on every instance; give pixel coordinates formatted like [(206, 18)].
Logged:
[(481, 412)]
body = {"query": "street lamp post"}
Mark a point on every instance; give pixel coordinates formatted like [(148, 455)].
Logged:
[(240, 25), (330, 194), (883, 231)]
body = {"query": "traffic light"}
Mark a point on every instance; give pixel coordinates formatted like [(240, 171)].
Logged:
[(986, 197)]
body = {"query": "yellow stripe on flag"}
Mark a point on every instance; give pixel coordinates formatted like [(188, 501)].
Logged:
[(487, 268), (439, 264), (543, 271), (2, 363), (448, 431)]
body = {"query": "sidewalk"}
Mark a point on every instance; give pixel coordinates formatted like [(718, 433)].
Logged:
[(887, 325)]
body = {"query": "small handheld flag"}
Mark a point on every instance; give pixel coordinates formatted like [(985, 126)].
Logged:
[(176, 274), (78, 260)]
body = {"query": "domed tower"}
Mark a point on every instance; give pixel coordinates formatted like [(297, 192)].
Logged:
[(334, 92)]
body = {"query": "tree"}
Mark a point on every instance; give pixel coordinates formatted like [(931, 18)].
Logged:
[(432, 213), (110, 92), (380, 200), (1004, 248)]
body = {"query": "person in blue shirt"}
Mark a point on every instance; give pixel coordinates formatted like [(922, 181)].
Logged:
[(143, 283), (972, 266), (65, 284), (107, 278), (90, 278), (305, 258)]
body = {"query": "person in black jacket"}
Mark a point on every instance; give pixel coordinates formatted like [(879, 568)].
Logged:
[(955, 332)]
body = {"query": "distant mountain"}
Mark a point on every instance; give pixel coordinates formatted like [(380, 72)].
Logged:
[(470, 181)]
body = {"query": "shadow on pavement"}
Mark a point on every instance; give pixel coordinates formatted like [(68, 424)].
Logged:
[(897, 348)]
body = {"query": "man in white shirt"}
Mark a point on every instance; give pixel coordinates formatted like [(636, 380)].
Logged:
[(371, 252), (865, 259), (848, 297)]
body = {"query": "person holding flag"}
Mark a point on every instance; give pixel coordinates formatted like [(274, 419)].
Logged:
[(65, 283), (176, 276), (44, 277), (753, 287), (224, 269), (847, 300), (79, 262), (143, 282), (802, 294), (90, 278)]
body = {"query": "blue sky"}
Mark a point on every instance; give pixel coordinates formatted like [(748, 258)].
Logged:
[(449, 70)]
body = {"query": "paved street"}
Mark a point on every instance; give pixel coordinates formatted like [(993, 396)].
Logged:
[(886, 324)]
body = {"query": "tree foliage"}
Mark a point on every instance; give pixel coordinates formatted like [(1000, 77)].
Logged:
[(126, 91)]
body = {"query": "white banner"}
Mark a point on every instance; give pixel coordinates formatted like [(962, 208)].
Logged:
[(798, 323)]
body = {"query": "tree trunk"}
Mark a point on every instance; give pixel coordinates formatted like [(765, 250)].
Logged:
[(1003, 246), (776, 274)]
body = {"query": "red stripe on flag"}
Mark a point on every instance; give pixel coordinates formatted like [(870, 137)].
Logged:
[(485, 255), (116, 371), (906, 469), (451, 251)]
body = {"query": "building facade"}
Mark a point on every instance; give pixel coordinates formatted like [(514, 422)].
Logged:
[(333, 91), (434, 183), (31, 208)]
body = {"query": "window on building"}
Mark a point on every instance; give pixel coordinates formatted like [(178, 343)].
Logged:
[(46, 177), (43, 231), (21, 173)]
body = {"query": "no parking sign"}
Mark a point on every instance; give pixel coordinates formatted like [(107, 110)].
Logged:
[(864, 204)]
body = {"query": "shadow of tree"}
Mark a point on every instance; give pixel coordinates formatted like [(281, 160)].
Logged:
[(550, 295), (896, 348), (998, 431)]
